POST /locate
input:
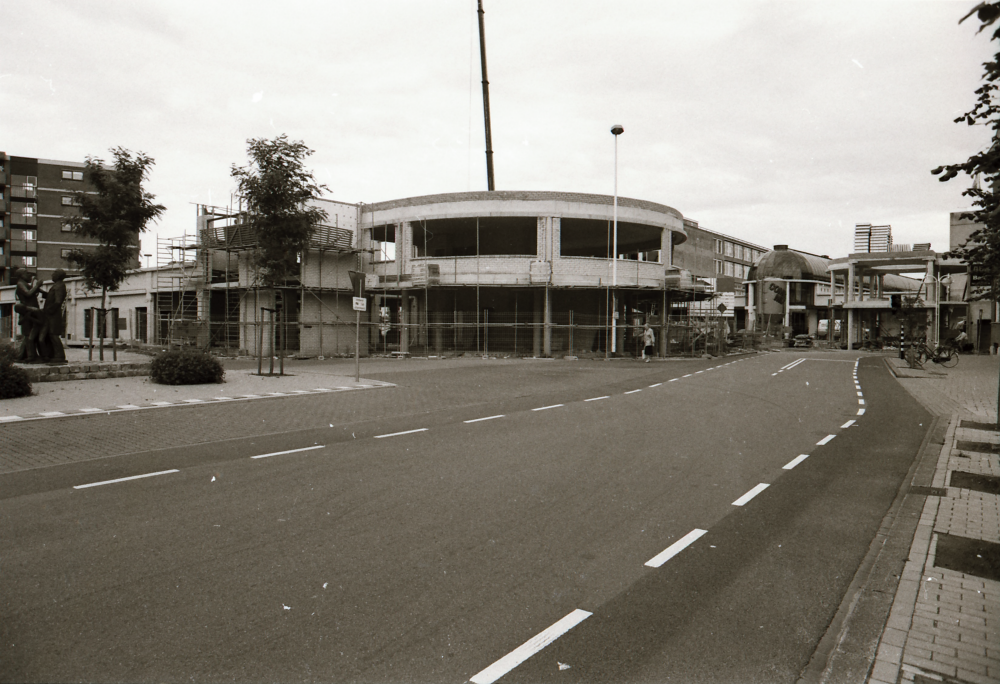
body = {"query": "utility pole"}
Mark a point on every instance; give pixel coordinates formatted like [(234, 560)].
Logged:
[(486, 101)]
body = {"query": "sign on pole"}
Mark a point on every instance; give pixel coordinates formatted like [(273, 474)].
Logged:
[(360, 304)]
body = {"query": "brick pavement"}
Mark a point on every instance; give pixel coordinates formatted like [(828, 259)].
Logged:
[(944, 625)]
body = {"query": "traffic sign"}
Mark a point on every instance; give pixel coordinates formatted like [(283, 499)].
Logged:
[(360, 304)]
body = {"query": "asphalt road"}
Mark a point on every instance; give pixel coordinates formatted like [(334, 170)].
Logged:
[(429, 536)]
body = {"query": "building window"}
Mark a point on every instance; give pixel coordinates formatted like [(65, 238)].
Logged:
[(718, 246), (28, 260), (729, 268), (728, 249), (70, 201), (65, 253), (718, 267), (28, 235), (738, 251), (67, 227), (72, 175)]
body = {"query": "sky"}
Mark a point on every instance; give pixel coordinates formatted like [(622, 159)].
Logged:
[(774, 122)]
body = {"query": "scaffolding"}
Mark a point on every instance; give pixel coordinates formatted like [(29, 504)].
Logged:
[(208, 293), (181, 270)]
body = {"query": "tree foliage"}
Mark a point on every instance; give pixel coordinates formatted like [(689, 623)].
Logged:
[(276, 188), (982, 250), (114, 216)]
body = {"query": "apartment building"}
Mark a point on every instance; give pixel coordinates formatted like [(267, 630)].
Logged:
[(38, 197)]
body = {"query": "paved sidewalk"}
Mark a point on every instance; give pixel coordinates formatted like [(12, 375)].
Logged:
[(70, 397), (944, 624)]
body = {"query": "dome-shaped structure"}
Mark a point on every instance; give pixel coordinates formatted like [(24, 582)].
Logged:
[(784, 263)]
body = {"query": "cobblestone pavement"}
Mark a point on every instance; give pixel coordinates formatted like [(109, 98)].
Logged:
[(944, 624)]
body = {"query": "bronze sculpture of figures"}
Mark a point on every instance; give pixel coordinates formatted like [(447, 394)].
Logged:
[(41, 326)]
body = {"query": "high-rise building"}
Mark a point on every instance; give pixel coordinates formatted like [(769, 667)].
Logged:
[(38, 196), (870, 239)]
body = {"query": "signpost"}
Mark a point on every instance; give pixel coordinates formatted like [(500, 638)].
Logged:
[(360, 304)]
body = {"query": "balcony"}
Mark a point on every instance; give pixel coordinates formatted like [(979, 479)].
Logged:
[(28, 246), (23, 220), (24, 192)]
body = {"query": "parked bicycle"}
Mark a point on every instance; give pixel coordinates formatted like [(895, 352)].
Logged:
[(943, 354)]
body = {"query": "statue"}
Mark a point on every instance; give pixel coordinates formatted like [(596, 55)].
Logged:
[(29, 315), (52, 316)]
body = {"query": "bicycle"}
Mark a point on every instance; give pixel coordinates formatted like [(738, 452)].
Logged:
[(944, 355)]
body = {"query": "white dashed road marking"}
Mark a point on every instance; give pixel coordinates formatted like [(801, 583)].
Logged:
[(825, 440), (477, 420), (124, 479), (596, 398), (290, 451), (751, 494), (848, 424), (675, 548), (405, 432), (795, 461), (542, 408), (529, 648)]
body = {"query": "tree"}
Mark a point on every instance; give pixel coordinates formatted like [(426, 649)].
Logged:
[(114, 216), (276, 189), (982, 250)]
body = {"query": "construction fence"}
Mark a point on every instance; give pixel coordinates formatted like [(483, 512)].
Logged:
[(463, 332)]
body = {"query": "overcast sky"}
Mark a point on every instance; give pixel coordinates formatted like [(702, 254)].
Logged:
[(776, 122)]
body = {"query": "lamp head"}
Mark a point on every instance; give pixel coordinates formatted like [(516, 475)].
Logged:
[(617, 129)]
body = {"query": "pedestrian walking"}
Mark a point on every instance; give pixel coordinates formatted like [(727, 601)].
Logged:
[(648, 341)]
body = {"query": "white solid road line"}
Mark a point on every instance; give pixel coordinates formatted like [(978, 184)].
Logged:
[(124, 479), (825, 440), (405, 432), (675, 548), (795, 461), (751, 494), (597, 398), (477, 420), (529, 648), (542, 408), (290, 451)]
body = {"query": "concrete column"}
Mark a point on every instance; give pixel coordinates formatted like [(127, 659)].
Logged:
[(404, 319), (620, 325), (547, 340), (664, 324), (849, 289), (539, 311)]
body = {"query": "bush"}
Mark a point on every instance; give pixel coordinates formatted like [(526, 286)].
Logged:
[(185, 368), (13, 380)]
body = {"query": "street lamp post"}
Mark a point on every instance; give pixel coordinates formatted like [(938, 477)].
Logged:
[(944, 280), (616, 130)]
